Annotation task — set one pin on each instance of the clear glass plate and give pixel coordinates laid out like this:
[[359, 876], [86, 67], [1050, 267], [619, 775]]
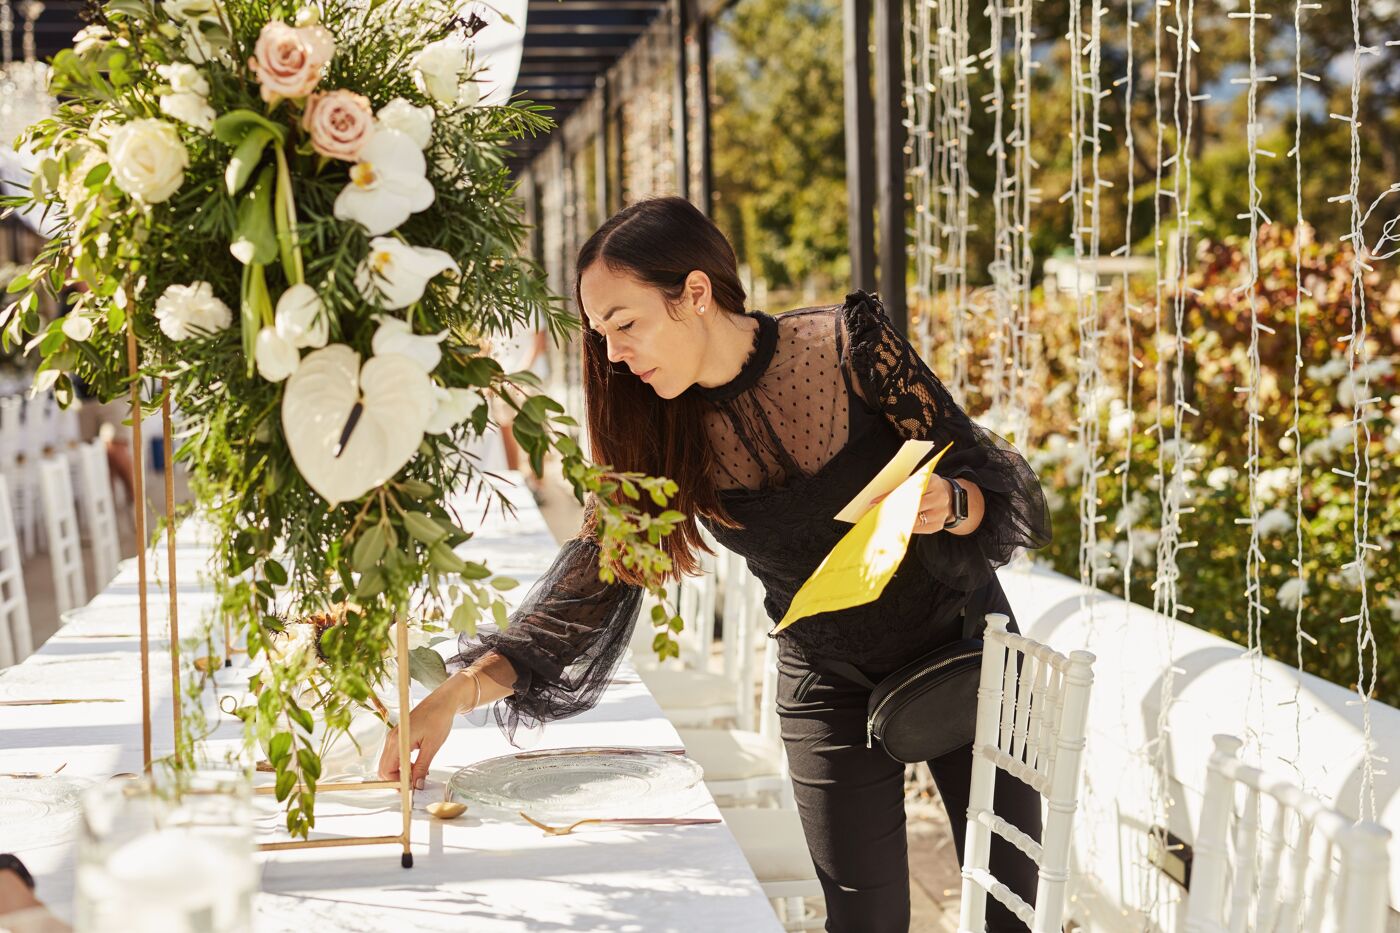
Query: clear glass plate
[[37, 812], [580, 782]]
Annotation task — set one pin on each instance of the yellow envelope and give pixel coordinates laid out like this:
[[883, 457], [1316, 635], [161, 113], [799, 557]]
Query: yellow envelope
[[863, 562]]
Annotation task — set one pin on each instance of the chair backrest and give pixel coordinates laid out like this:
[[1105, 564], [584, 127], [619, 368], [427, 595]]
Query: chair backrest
[[1273, 859], [1031, 725], [61, 522], [16, 638], [99, 512]]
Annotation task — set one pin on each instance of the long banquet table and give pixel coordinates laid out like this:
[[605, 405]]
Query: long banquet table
[[478, 873]]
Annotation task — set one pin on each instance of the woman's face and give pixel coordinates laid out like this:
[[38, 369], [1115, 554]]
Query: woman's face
[[640, 331]]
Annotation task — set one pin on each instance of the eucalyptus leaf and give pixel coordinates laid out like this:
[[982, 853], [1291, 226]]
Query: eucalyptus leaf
[[427, 667]]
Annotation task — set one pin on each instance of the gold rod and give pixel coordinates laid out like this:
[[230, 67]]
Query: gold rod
[[325, 843], [170, 552], [138, 512], [343, 785], [405, 766]]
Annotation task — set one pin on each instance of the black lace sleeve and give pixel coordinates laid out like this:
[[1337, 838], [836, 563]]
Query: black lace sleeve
[[896, 382], [564, 641]]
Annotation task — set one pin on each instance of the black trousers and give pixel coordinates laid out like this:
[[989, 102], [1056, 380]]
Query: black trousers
[[851, 801]]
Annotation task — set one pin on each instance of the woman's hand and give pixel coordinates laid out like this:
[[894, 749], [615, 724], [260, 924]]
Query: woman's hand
[[936, 506], [428, 726]]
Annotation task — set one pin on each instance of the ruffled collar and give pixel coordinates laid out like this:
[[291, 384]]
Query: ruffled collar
[[755, 365]]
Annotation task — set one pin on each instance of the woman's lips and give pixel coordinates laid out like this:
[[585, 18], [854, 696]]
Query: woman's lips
[[646, 376]]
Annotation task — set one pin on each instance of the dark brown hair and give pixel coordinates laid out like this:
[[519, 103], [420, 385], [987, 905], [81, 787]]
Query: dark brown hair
[[658, 241]]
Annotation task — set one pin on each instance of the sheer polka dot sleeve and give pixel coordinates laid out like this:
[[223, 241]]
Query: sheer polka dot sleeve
[[894, 381], [564, 641]]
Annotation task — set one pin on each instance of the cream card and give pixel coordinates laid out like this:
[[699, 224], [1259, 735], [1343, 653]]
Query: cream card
[[900, 467]]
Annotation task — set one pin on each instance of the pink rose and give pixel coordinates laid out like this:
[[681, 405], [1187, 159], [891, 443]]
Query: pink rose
[[340, 123], [287, 61]]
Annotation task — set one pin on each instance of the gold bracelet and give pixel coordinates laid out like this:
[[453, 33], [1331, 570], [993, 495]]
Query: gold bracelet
[[476, 697]]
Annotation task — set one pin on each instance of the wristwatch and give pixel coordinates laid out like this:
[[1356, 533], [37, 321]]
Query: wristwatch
[[957, 505], [12, 863]]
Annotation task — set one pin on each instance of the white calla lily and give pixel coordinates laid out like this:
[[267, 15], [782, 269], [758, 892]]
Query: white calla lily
[[276, 357], [301, 318], [396, 336], [387, 184], [453, 407], [394, 274]]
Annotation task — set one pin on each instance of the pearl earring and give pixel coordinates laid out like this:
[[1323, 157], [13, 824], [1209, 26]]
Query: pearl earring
[[702, 309]]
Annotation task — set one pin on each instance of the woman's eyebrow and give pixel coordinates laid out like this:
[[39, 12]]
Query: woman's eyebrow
[[608, 314]]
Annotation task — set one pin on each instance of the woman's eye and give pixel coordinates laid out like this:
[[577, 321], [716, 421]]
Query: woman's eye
[[625, 327]]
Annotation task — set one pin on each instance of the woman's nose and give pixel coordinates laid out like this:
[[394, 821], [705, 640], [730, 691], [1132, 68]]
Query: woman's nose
[[614, 352]]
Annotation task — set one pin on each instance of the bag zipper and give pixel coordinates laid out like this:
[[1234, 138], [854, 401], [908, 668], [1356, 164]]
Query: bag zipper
[[870, 721]]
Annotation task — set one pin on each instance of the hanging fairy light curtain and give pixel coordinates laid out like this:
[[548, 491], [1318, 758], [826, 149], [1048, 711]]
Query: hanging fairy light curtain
[[646, 87], [1146, 234]]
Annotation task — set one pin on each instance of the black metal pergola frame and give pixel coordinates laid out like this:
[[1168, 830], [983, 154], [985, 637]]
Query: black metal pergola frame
[[571, 50]]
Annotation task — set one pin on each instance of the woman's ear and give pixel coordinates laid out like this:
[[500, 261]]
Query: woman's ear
[[697, 289]]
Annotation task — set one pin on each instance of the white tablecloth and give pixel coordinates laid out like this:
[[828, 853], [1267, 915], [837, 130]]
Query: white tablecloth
[[478, 873]]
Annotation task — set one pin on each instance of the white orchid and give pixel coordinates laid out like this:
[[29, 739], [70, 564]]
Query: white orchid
[[301, 318], [414, 122], [387, 184], [395, 274], [453, 407], [395, 335], [276, 357]]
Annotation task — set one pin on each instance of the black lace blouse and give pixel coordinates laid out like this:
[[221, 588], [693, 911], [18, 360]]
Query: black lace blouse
[[825, 398]]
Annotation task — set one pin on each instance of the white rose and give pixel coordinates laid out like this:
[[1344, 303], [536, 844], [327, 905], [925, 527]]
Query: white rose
[[437, 68], [187, 310], [188, 108], [71, 185], [414, 122], [302, 319], [184, 78], [148, 159], [396, 336], [77, 327], [276, 357], [453, 407]]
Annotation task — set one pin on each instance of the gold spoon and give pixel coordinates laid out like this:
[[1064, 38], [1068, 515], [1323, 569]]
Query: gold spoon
[[446, 808], [626, 821]]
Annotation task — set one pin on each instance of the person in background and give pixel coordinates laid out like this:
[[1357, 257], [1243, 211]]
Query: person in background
[[523, 350], [20, 910]]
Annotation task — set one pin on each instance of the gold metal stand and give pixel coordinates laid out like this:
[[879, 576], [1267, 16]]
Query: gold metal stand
[[138, 511], [404, 783], [175, 700]]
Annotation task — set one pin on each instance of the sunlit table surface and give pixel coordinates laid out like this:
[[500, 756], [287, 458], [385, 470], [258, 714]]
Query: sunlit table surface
[[481, 872]]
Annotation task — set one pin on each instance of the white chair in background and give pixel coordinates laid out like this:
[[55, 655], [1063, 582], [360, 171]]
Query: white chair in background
[[99, 512], [61, 524], [1276, 858], [1032, 727], [16, 637], [743, 766], [776, 849], [19, 460]]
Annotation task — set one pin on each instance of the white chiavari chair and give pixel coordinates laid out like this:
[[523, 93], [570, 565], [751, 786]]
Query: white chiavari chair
[[1032, 727], [99, 512], [61, 525], [16, 636], [1273, 859]]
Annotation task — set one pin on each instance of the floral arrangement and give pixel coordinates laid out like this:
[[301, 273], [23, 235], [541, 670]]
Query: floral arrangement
[[302, 217]]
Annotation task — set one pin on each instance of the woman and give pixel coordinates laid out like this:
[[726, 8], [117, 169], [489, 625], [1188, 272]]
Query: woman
[[769, 426]]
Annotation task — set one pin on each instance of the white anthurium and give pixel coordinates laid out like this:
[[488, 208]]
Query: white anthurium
[[395, 274], [277, 357], [351, 428], [396, 336], [302, 319], [453, 407], [414, 122], [387, 184], [77, 328]]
